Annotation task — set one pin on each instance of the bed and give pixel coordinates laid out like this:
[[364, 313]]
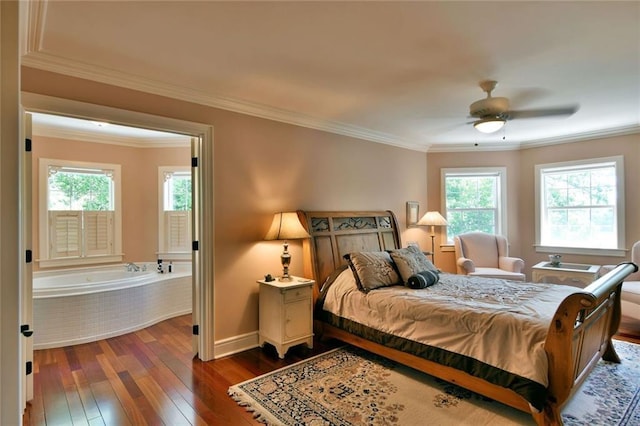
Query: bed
[[564, 331]]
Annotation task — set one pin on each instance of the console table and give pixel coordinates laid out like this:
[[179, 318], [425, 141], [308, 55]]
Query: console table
[[574, 274]]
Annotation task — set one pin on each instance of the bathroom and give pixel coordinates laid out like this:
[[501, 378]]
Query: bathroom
[[81, 297]]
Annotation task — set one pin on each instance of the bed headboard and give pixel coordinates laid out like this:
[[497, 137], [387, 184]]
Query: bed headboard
[[334, 234]]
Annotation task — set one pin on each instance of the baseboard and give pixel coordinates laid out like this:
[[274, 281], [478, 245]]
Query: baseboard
[[233, 345]]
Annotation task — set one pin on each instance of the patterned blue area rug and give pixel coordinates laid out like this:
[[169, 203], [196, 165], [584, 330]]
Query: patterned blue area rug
[[348, 386]]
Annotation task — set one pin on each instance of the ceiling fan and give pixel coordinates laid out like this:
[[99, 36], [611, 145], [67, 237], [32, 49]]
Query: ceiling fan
[[492, 113]]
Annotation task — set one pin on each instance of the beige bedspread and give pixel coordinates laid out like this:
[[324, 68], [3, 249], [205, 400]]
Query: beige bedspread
[[498, 322]]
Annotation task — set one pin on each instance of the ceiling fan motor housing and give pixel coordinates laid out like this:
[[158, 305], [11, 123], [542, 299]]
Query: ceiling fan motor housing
[[489, 107]]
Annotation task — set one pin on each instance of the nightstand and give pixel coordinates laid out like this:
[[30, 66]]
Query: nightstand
[[573, 274], [286, 313]]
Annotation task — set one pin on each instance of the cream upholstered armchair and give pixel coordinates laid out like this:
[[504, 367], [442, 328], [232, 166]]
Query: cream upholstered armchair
[[486, 255], [630, 295]]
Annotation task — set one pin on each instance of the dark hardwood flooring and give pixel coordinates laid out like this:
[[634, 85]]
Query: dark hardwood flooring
[[150, 378], [147, 378]]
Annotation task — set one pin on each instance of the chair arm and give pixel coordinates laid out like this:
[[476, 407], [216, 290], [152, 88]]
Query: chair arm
[[513, 264], [466, 265]]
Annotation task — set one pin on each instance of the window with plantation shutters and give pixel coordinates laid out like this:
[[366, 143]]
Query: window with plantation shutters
[[66, 233], [98, 233], [81, 222], [175, 212], [178, 226]]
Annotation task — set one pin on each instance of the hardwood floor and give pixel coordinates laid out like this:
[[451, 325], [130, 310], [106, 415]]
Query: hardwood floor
[[147, 378], [150, 378]]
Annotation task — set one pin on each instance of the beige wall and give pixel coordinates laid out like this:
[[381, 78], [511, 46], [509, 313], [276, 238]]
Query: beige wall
[[139, 168], [520, 189], [261, 167]]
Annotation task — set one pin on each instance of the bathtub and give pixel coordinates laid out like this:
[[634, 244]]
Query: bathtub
[[76, 306]]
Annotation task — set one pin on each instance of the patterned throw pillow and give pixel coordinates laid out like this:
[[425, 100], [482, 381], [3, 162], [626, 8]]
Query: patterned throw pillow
[[410, 261], [372, 269]]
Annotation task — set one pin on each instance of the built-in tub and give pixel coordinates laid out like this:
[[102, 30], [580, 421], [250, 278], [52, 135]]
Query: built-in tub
[[76, 306]]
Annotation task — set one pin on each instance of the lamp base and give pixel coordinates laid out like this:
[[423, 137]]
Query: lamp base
[[286, 261], [433, 249]]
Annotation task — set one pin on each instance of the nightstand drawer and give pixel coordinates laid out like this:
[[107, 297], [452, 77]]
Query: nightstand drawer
[[297, 294]]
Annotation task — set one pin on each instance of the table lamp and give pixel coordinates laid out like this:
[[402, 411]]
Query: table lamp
[[432, 219], [286, 226]]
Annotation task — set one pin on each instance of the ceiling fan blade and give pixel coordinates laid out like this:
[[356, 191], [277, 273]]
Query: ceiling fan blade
[[538, 113]]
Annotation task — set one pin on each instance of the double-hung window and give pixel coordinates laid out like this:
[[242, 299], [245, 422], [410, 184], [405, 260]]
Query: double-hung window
[[580, 206], [80, 213], [474, 200], [175, 212]]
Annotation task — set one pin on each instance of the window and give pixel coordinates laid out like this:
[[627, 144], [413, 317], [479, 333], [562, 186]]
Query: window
[[175, 213], [474, 200], [580, 206], [80, 221]]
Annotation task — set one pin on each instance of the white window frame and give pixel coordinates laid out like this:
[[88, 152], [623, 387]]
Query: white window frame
[[500, 172], [618, 160], [45, 260], [164, 252]]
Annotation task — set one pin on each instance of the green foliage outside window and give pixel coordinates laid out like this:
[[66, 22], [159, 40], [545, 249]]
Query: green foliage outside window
[[580, 206], [472, 203], [180, 192], [80, 191]]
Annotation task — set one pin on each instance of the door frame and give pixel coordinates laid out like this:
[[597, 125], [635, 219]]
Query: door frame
[[203, 257]]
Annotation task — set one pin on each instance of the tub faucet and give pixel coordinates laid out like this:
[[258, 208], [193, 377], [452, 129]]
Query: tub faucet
[[132, 267]]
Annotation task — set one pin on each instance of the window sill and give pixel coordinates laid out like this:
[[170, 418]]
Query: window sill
[[79, 261], [581, 251]]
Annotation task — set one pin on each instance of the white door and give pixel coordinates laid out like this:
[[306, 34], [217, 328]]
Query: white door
[[195, 255], [203, 256], [26, 270]]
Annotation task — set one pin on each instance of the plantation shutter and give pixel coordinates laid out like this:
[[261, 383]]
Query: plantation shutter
[[65, 233], [178, 230], [98, 232]]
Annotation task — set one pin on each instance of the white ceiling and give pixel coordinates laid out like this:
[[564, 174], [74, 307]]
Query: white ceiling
[[59, 126], [402, 73]]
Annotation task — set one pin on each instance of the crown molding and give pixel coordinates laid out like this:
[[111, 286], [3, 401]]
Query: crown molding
[[53, 63], [514, 146]]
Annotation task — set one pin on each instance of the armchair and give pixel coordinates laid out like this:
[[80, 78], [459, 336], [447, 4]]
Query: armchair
[[486, 255], [630, 295]]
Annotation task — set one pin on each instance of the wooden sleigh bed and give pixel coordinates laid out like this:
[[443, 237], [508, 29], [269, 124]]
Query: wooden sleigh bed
[[579, 333]]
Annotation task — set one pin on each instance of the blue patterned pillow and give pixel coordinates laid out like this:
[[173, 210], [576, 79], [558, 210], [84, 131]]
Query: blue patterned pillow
[[423, 279]]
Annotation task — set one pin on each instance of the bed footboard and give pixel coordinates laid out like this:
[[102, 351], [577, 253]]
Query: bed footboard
[[579, 335]]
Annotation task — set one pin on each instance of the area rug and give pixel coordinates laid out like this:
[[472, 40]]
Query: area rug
[[348, 386]]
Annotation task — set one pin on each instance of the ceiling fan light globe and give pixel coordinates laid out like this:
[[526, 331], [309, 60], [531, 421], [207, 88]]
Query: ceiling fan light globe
[[489, 125]]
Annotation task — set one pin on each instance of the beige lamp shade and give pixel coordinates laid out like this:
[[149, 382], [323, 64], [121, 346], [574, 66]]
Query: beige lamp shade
[[432, 219], [286, 226]]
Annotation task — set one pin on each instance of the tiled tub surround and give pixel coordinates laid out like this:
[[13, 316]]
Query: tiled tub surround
[[83, 305]]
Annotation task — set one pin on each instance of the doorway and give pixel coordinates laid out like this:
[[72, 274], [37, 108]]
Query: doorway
[[202, 171]]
